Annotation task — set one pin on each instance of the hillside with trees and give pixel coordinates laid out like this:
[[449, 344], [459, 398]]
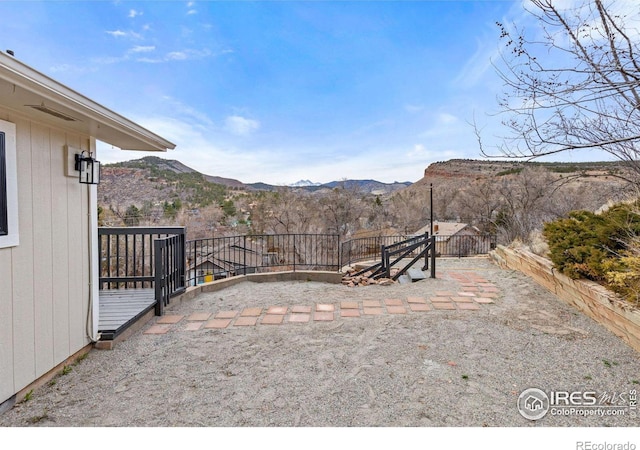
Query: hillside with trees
[[514, 199], [506, 198]]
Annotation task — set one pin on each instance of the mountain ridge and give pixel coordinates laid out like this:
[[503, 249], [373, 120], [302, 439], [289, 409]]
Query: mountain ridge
[[155, 162], [304, 183]]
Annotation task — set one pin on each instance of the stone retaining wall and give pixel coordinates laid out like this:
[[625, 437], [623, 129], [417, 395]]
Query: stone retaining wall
[[600, 304]]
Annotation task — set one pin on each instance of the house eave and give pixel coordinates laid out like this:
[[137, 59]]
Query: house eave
[[31, 93]]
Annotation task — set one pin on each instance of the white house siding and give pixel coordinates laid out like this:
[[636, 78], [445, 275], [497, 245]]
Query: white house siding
[[44, 281]]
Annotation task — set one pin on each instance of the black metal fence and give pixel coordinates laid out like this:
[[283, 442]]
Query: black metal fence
[[365, 249], [368, 249], [465, 245], [215, 258], [129, 255]]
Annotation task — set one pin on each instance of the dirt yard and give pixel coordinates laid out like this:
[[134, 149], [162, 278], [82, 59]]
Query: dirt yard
[[399, 358]]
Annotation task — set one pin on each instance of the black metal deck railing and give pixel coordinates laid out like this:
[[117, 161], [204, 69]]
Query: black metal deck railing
[[140, 270], [127, 255], [169, 269]]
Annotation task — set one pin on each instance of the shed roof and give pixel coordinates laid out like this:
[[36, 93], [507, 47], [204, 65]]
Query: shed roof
[[443, 228], [31, 93]]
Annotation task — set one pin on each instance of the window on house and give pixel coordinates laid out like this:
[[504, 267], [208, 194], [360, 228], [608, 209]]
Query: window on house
[[9, 236], [4, 223]]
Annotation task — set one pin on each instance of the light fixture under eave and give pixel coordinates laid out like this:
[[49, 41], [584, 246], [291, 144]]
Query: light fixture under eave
[[89, 169], [53, 112]]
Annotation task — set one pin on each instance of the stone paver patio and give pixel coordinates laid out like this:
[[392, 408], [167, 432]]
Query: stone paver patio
[[474, 293]]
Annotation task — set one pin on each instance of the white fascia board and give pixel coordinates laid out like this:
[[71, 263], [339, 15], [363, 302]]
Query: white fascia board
[[99, 121]]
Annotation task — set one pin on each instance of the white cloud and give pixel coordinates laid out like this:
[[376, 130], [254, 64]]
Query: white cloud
[[241, 126], [202, 146], [107, 59], [70, 68], [124, 34], [142, 49], [478, 65], [117, 33], [133, 13], [488, 49], [190, 8], [150, 60], [182, 55], [173, 56], [61, 68], [197, 119]]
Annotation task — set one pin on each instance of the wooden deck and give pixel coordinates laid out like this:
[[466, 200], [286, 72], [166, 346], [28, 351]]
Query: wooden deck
[[120, 308]]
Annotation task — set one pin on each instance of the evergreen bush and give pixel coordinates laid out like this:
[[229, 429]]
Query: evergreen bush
[[599, 247]]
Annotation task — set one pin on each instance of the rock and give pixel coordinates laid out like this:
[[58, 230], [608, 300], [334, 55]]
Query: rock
[[416, 274]]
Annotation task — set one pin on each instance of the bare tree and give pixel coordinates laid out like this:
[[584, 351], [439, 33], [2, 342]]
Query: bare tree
[[480, 202], [577, 87], [379, 216], [284, 211], [342, 209], [205, 223], [410, 210], [526, 201]]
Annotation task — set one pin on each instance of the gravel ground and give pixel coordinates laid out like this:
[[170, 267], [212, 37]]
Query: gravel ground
[[423, 369]]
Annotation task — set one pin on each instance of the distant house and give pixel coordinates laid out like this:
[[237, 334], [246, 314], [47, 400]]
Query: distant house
[[48, 221], [206, 268], [455, 238], [449, 229], [229, 257]]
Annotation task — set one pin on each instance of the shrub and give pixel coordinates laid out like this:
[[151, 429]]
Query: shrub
[[625, 280], [599, 247]]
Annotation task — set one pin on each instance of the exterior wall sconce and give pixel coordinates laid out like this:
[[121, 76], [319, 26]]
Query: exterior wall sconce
[[89, 169]]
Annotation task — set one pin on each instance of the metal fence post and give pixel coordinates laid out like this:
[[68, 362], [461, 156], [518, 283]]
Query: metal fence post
[[386, 261], [433, 256], [426, 254], [158, 277], [244, 253]]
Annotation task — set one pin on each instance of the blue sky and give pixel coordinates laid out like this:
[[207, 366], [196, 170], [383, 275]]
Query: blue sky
[[278, 91]]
